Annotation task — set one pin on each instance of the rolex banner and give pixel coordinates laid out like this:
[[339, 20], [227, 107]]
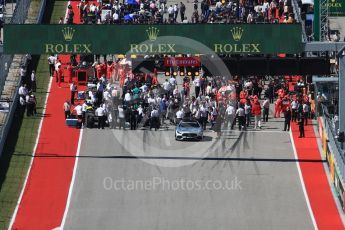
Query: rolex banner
[[153, 39], [336, 7]]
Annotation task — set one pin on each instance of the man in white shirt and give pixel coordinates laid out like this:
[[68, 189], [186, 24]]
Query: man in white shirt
[[154, 122], [171, 13], [128, 97], [154, 112], [51, 63], [305, 112], [73, 89], [250, 18], [106, 95], [247, 113], [152, 101], [203, 115], [230, 116], [179, 116], [196, 114], [23, 91], [257, 8], [33, 81], [93, 8], [175, 12], [248, 85], [140, 110], [172, 82], [167, 87], [266, 106], [57, 66], [116, 17], [83, 110], [218, 6], [265, 6], [22, 72], [79, 112], [240, 114], [67, 109], [176, 92], [100, 113], [121, 117], [144, 88], [197, 86], [100, 86]]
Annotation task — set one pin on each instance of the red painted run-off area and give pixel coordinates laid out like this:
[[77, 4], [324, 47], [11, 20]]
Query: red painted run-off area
[[44, 199], [315, 179], [45, 195]]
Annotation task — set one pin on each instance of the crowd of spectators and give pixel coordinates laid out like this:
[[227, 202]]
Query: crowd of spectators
[[206, 11], [2, 18]]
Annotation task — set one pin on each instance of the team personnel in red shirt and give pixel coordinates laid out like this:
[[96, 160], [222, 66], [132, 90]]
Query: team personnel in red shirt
[[100, 70], [243, 96], [122, 75], [256, 111], [70, 73], [110, 69], [59, 75], [277, 107]]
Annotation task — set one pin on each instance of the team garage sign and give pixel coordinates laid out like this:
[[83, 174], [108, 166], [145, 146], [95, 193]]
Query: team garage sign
[[153, 39]]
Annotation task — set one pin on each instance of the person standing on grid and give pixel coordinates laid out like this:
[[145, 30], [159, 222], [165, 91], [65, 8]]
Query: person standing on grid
[[33, 81], [51, 63]]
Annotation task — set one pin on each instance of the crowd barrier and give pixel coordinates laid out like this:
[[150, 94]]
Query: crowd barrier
[[4, 130], [333, 153]]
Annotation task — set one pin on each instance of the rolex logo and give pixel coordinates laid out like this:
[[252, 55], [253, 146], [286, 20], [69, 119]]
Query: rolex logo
[[237, 33], [152, 33], [68, 33]]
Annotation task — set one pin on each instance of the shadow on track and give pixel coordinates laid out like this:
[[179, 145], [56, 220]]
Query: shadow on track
[[181, 158]]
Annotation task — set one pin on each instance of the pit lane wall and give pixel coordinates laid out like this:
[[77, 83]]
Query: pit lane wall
[[334, 156]]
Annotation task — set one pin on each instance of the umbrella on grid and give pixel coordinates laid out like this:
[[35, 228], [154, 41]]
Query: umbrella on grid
[[125, 61], [130, 17], [133, 2], [226, 89]]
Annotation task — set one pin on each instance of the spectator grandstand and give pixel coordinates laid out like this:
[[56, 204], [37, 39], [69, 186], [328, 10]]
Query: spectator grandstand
[[150, 12]]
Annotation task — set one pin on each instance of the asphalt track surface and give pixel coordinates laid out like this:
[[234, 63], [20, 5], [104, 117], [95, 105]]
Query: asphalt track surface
[[252, 177], [245, 180]]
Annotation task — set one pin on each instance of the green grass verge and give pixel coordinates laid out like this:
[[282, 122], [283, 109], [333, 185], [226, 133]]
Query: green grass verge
[[21, 139]]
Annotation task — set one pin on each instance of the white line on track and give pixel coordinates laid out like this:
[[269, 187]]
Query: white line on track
[[75, 164], [302, 182], [72, 182], [32, 158]]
